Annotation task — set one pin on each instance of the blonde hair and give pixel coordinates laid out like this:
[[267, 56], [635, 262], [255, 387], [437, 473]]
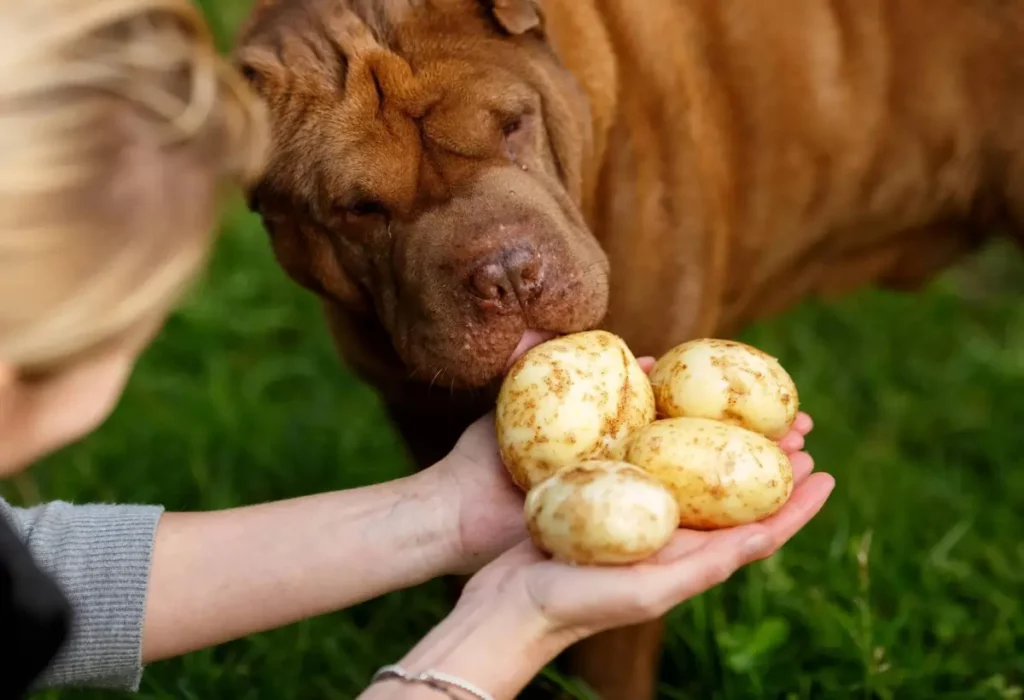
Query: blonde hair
[[118, 119]]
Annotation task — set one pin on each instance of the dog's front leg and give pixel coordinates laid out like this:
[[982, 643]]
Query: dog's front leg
[[621, 663]]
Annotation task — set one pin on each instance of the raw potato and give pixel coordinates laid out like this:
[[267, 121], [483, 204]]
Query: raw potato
[[727, 381], [601, 512], [567, 400], [720, 474]]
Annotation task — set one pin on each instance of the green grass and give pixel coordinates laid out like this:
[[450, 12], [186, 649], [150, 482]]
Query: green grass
[[908, 585]]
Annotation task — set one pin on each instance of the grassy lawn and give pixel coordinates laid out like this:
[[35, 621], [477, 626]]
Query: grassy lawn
[[909, 584]]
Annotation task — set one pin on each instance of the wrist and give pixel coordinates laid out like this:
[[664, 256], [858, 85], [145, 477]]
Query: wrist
[[437, 508], [430, 524], [495, 645]]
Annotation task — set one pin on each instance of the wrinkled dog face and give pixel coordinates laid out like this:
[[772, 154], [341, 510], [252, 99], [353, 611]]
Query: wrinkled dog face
[[425, 170]]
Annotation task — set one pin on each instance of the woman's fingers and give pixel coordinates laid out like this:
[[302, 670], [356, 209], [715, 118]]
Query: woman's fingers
[[599, 597], [803, 465], [803, 423], [658, 589], [685, 542], [725, 551], [807, 499], [591, 599], [792, 442]]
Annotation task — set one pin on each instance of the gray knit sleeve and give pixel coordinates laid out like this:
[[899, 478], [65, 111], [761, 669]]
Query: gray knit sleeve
[[100, 555]]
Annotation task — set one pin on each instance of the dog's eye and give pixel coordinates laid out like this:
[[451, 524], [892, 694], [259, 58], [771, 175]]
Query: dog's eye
[[512, 125], [517, 134], [363, 209], [252, 76]]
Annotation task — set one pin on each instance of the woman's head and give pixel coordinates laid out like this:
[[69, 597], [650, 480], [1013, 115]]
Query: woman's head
[[118, 121]]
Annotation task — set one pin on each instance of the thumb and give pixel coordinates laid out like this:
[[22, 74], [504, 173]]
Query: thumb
[[480, 435], [522, 554], [666, 586], [493, 577]]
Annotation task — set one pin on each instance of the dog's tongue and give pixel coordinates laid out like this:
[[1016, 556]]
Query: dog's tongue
[[529, 339]]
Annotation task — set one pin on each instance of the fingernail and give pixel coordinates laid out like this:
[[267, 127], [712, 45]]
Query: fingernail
[[756, 545]]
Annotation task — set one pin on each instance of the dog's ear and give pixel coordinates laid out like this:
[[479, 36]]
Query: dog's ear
[[517, 16]]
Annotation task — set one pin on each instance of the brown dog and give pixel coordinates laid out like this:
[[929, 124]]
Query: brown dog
[[449, 174]]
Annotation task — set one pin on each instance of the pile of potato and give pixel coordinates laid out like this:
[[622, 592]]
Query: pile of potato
[[613, 460]]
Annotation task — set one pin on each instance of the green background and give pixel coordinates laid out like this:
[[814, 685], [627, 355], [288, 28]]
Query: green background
[[908, 585]]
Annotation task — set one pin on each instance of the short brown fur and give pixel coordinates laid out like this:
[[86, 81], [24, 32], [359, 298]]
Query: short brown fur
[[449, 173]]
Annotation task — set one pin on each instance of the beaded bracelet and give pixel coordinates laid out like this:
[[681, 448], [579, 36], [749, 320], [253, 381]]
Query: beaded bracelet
[[434, 679]]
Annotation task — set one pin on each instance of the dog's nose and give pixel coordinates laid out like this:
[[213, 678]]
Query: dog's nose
[[509, 278]]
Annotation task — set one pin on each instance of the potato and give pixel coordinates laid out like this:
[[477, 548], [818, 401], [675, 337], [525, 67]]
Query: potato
[[568, 400], [727, 381], [601, 512], [720, 474]]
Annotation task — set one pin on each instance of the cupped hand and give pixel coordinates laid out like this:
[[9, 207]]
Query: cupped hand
[[573, 602], [488, 506]]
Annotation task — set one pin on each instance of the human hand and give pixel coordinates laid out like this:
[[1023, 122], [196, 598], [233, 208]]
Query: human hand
[[488, 506], [573, 602], [527, 607]]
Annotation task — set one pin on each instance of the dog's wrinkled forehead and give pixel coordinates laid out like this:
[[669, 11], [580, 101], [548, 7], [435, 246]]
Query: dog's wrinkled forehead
[[380, 17], [388, 90], [318, 39], [339, 29], [326, 69]]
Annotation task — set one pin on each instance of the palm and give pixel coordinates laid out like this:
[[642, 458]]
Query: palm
[[585, 600], [490, 506]]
